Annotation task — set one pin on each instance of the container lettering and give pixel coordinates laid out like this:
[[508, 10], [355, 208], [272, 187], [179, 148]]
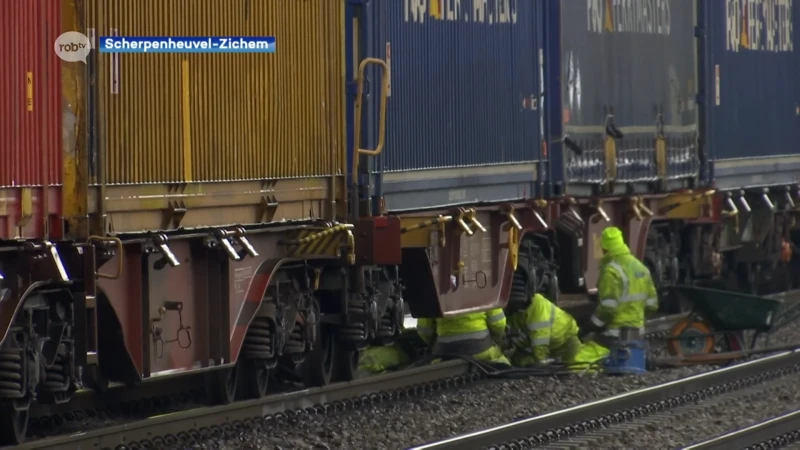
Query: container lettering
[[628, 16], [759, 25], [490, 12]]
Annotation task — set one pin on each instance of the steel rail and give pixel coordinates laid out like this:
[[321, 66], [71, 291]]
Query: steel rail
[[784, 429], [620, 408], [193, 419], [198, 418]]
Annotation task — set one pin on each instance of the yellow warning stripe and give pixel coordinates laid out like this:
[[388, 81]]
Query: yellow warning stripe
[[311, 242]]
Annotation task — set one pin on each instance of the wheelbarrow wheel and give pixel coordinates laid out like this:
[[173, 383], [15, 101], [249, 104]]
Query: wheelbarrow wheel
[[694, 338]]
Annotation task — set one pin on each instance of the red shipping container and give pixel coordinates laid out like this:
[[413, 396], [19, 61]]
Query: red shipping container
[[30, 119]]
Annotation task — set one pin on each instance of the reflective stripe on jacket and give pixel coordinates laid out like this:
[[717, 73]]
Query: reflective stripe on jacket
[[463, 327], [626, 291], [543, 327]]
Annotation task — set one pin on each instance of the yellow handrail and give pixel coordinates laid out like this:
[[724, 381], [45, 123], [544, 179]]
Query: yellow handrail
[[362, 67]]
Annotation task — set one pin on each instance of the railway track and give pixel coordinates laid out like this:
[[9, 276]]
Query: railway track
[[773, 433], [168, 427], [163, 425], [185, 427], [593, 423]]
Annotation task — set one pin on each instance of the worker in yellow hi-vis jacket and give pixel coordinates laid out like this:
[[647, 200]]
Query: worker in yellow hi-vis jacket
[[475, 334]]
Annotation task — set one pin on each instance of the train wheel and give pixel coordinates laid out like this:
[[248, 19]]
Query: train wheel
[[255, 379], [221, 384], [346, 365], [319, 362], [692, 340], [13, 424]]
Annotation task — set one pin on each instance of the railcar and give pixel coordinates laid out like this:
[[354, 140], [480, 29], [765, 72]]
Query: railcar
[[611, 114], [166, 214]]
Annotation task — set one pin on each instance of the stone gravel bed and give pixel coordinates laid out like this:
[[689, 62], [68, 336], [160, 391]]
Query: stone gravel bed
[[401, 424], [698, 422], [404, 423]]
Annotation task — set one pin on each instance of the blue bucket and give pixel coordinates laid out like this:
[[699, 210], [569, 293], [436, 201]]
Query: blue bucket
[[627, 358]]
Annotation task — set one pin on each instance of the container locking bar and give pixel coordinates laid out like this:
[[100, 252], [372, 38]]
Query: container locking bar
[[461, 223], [514, 229], [226, 238], [471, 215], [640, 210], [732, 209], [598, 205], [743, 203], [160, 240], [767, 201], [789, 201]]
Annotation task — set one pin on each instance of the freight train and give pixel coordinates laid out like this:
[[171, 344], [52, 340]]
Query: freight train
[[232, 214]]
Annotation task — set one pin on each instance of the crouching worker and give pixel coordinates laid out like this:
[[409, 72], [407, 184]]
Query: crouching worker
[[373, 360], [545, 333], [472, 334]]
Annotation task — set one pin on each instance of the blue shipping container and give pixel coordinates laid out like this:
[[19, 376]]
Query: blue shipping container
[[752, 91], [624, 67], [463, 122]]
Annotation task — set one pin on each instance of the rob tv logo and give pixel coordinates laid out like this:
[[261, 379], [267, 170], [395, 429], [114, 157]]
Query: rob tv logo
[[73, 46]]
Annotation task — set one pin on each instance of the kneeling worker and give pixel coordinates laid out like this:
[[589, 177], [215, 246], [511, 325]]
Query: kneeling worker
[[546, 332], [475, 334]]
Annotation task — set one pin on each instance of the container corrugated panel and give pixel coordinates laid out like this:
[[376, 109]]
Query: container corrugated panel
[[251, 116], [753, 92], [631, 65], [463, 116], [30, 98], [30, 121]]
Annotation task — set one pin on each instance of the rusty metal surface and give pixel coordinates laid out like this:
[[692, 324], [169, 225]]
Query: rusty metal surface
[[137, 208], [377, 241], [468, 273], [30, 118], [217, 297], [175, 423], [249, 116]]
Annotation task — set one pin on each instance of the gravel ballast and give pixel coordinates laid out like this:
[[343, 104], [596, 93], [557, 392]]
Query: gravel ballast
[[711, 418], [440, 415]]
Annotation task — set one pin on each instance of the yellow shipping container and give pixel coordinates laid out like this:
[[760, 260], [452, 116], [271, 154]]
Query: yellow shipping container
[[173, 118]]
